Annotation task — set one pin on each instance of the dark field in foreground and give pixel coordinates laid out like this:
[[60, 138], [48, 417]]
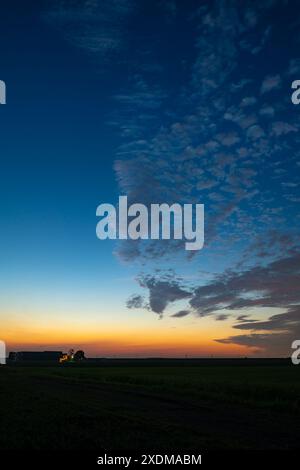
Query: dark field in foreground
[[150, 408]]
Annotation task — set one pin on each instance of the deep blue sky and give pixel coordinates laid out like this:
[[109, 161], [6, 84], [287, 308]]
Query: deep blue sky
[[164, 101]]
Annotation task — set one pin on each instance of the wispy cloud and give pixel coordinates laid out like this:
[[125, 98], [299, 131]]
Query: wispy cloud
[[99, 27], [270, 83]]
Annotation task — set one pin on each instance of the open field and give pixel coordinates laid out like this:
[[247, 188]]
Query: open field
[[167, 407]]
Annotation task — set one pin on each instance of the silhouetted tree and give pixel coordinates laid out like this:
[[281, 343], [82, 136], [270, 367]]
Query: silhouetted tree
[[79, 356]]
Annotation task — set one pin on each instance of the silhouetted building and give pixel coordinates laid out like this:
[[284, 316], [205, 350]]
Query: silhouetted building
[[53, 356]]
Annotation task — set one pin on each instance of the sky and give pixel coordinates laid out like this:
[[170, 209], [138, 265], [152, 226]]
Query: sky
[[166, 102]]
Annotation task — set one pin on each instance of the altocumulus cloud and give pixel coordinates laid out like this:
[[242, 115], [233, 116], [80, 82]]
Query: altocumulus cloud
[[213, 135]]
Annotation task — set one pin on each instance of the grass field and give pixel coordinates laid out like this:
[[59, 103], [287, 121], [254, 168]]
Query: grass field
[[153, 408]]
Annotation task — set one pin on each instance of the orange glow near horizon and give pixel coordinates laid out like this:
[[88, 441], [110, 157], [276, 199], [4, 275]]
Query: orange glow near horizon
[[136, 338]]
